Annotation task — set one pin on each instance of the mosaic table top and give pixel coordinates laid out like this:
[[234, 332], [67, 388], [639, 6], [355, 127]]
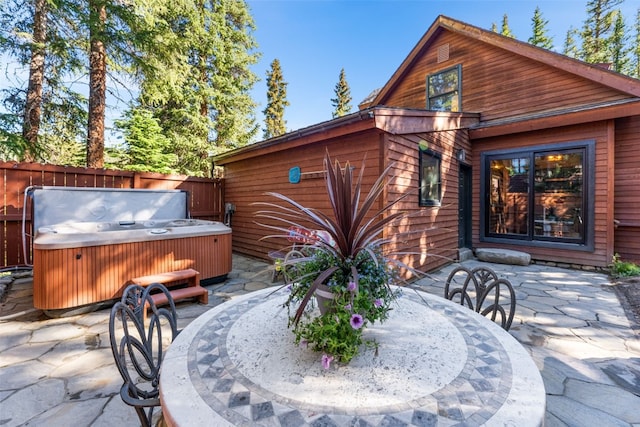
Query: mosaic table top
[[435, 363]]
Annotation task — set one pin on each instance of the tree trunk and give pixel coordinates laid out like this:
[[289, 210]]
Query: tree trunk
[[97, 85], [33, 104]]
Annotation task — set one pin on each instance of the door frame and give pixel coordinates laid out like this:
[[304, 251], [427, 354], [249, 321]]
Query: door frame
[[464, 206]]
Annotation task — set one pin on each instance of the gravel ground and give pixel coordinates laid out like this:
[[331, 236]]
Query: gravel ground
[[628, 291]]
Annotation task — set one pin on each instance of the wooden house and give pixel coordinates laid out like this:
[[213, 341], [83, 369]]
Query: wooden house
[[502, 144]]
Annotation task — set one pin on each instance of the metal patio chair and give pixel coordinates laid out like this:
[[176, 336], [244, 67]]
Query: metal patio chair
[[482, 291], [138, 346], [303, 243]]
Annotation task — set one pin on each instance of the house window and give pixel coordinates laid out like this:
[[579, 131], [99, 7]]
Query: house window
[[443, 90], [538, 195], [430, 183]]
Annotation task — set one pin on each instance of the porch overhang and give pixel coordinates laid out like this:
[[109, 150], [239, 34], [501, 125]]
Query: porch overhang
[[396, 121], [557, 118]]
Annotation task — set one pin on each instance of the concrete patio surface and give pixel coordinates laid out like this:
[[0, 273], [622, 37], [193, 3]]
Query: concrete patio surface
[[60, 372]]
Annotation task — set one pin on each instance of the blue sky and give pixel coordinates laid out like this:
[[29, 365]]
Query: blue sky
[[314, 39]]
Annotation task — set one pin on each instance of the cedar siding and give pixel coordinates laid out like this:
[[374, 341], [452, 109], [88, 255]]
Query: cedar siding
[[497, 83], [392, 136], [428, 233], [248, 180], [627, 189], [514, 96]]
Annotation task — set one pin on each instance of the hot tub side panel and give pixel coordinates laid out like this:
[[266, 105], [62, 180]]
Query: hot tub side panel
[[72, 277]]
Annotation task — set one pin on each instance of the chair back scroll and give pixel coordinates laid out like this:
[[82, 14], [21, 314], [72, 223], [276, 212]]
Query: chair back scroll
[[482, 291], [138, 348]]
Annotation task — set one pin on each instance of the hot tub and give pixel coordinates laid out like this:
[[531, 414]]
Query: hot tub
[[86, 263], [78, 263]]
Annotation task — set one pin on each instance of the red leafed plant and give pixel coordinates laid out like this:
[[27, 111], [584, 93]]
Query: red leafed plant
[[347, 257]]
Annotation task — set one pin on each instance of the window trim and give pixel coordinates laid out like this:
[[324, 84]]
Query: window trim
[[422, 201], [588, 182], [458, 68]]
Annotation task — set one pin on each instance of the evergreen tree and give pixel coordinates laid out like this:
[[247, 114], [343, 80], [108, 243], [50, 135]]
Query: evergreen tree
[[115, 38], [620, 61], [635, 50], [276, 102], [147, 148], [49, 112], [597, 31], [341, 103], [97, 83], [539, 27], [494, 27], [506, 31], [570, 47], [33, 104], [230, 105], [196, 78]]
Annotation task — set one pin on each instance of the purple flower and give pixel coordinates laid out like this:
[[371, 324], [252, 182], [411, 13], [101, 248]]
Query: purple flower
[[351, 287], [378, 302], [326, 361], [356, 321], [304, 343], [347, 307]]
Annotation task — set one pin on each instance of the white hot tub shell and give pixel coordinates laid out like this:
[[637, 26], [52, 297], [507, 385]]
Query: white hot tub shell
[[77, 263]]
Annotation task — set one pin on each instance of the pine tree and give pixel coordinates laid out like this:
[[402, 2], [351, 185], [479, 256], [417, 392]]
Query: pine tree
[[539, 26], [597, 31], [620, 61], [494, 27], [33, 104], [506, 31], [229, 78], [570, 47], [97, 83], [635, 51], [147, 148], [196, 78], [276, 102], [46, 119], [341, 103]]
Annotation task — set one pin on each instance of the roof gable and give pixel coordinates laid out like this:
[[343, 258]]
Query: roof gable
[[601, 80]]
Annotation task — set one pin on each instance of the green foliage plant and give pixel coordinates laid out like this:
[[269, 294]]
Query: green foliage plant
[[346, 257], [619, 268]]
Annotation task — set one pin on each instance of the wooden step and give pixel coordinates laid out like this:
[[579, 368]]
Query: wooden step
[[183, 293], [170, 279], [189, 276]]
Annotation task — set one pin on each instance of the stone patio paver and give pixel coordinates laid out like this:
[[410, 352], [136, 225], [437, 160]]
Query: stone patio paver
[[60, 372]]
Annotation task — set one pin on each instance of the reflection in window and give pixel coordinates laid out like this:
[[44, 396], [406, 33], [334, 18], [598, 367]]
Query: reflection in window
[[558, 194], [443, 90], [509, 196], [429, 178], [543, 202]]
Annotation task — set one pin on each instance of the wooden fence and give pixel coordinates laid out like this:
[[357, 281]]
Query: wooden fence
[[206, 197]]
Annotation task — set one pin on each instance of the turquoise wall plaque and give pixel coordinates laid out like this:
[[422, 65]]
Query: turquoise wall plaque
[[294, 175]]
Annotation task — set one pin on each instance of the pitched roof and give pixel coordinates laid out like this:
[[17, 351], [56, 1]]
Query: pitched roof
[[593, 72]]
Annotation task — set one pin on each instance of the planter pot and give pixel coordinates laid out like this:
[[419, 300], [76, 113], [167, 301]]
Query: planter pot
[[325, 299]]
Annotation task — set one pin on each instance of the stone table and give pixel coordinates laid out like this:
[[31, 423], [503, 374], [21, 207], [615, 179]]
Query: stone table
[[436, 363]]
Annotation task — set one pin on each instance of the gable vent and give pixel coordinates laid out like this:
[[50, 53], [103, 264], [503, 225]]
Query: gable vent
[[443, 53]]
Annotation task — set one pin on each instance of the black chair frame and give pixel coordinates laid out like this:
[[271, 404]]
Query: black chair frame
[[481, 291], [139, 350]]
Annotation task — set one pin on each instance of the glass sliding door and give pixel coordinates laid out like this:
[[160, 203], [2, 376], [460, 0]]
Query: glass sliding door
[[509, 195], [536, 195], [559, 197]]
